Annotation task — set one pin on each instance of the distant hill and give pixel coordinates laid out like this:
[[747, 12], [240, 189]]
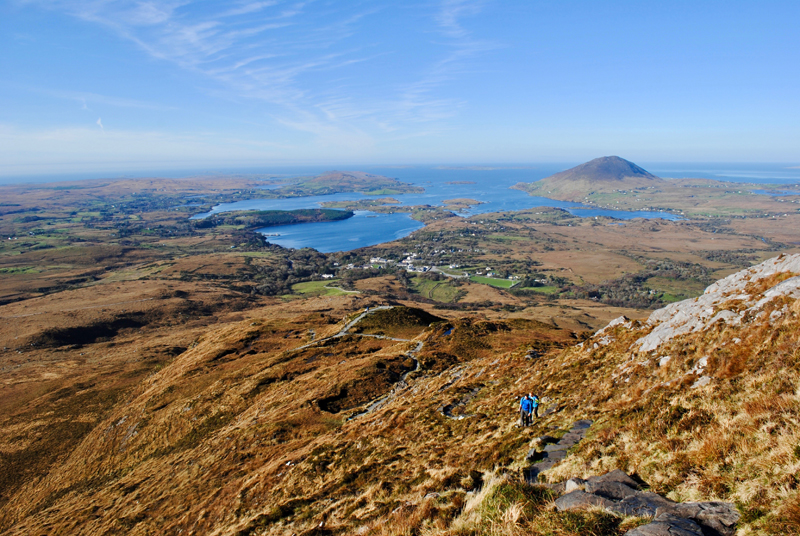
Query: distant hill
[[606, 173], [605, 169]]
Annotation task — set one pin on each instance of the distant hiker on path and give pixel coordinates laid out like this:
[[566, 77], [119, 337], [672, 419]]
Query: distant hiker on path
[[534, 404], [525, 408]]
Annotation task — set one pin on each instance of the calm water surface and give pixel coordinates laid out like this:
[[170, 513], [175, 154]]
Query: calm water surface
[[491, 186]]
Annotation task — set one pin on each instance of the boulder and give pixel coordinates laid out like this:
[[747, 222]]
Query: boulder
[[555, 455], [641, 504], [616, 475], [668, 525], [531, 473], [570, 438], [582, 424], [610, 490], [720, 517], [558, 487], [578, 499], [574, 483]]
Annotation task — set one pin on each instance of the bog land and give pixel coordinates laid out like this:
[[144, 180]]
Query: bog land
[[124, 318]]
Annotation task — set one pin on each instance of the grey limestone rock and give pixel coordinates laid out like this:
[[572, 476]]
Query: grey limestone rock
[[617, 492], [610, 490], [582, 424], [668, 525], [720, 517], [616, 475], [555, 455], [701, 382], [531, 474], [574, 483], [570, 438], [641, 504], [700, 313], [558, 487], [579, 499]]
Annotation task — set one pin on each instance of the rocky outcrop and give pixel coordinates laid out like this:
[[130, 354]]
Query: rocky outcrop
[[668, 525], [580, 499], [727, 301], [617, 492]]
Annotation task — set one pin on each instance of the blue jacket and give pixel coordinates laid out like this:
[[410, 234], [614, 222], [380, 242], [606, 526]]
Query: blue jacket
[[526, 404]]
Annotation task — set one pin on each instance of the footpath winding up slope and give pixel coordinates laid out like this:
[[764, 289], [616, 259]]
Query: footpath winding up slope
[[702, 400], [247, 431]]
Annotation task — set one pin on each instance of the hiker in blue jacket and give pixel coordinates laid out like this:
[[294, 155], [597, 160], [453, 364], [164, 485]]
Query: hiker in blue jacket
[[525, 408], [534, 404]]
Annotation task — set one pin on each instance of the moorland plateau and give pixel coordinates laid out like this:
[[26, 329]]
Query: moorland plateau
[[162, 375]]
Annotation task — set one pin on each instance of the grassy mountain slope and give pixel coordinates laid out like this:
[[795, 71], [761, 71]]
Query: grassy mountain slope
[[405, 424]]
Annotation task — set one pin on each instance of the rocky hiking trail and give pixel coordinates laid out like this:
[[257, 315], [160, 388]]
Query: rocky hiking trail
[[615, 492], [348, 326], [555, 450], [621, 494], [400, 384]]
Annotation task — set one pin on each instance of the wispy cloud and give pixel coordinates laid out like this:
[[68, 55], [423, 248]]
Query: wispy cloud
[[100, 123], [297, 56], [452, 11], [418, 103], [245, 8]]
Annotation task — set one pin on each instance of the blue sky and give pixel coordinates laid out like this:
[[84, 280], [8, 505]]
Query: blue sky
[[121, 85]]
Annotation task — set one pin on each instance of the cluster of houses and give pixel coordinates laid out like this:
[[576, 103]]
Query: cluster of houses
[[409, 264]]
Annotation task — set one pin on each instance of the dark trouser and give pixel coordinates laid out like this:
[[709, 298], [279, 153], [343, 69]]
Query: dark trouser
[[536, 411], [525, 417]]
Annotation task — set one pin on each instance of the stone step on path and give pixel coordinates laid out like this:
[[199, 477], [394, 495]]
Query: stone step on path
[[619, 493], [555, 450]]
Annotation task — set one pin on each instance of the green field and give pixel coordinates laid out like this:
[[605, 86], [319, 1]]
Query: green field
[[383, 191], [441, 291], [20, 270], [543, 290], [453, 271], [499, 283], [320, 288], [674, 289]]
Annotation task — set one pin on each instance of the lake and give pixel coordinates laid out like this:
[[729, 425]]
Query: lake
[[492, 186]]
